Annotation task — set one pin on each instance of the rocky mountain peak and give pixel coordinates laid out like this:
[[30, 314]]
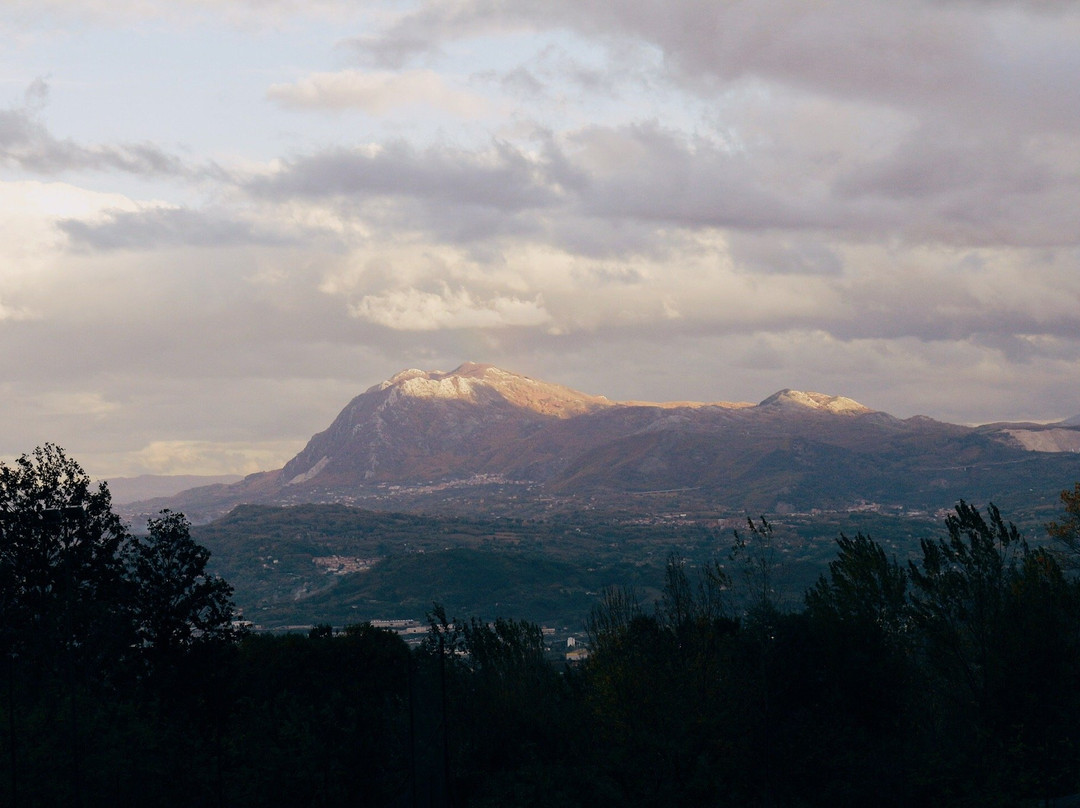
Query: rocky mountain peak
[[840, 405], [474, 382]]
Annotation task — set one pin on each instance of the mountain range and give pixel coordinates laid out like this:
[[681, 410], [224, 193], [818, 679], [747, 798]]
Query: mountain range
[[482, 439]]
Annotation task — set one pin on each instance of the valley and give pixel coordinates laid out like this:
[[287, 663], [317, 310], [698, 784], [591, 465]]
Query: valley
[[309, 564]]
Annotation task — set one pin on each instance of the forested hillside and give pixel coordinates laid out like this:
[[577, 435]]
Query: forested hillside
[[335, 564]]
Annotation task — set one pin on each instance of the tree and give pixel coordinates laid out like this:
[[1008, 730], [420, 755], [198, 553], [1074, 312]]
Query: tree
[[63, 625], [684, 608], [1000, 634], [62, 585], [175, 602], [863, 589], [1067, 532], [858, 660], [655, 686], [84, 604], [758, 554], [959, 596]]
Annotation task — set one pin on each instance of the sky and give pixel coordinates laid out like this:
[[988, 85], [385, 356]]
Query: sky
[[220, 220]]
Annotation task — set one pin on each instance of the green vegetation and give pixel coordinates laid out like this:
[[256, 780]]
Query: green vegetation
[[548, 572], [947, 676]]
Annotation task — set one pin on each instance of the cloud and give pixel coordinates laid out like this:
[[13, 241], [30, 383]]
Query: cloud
[[719, 199], [30, 243], [257, 14], [162, 227], [956, 123], [416, 310], [649, 173], [83, 403], [210, 457], [986, 189], [377, 93], [638, 189], [758, 253], [9, 313], [501, 177], [26, 143], [900, 54]]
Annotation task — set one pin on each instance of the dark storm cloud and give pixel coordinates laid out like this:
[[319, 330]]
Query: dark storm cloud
[[165, 227]]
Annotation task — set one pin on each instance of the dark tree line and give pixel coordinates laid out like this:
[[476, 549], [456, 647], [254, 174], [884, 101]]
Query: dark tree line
[[94, 621], [951, 680]]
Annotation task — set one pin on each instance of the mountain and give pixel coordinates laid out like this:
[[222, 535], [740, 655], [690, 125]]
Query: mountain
[[481, 439], [145, 486], [423, 425]]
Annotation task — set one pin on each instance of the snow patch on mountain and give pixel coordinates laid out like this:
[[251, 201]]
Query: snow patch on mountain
[[456, 387], [469, 381], [840, 405]]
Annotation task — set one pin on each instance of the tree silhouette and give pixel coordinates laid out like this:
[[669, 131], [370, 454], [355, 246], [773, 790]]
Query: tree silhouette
[[62, 585], [175, 603]]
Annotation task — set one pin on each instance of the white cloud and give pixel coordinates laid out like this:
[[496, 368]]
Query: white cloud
[[87, 403], [207, 457], [8, 313], [415, 310], [378, 93], [30, 241]]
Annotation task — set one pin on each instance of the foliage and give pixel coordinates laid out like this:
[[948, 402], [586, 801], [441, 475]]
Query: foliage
[[1067, 532], [951, 680], [85, 611], [62, 583], [758, 558], [999, 632], [863, 588], [175, 603]]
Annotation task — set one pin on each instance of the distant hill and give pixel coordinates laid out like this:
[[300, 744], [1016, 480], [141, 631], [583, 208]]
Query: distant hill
[[481, 440], [125, 490]]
